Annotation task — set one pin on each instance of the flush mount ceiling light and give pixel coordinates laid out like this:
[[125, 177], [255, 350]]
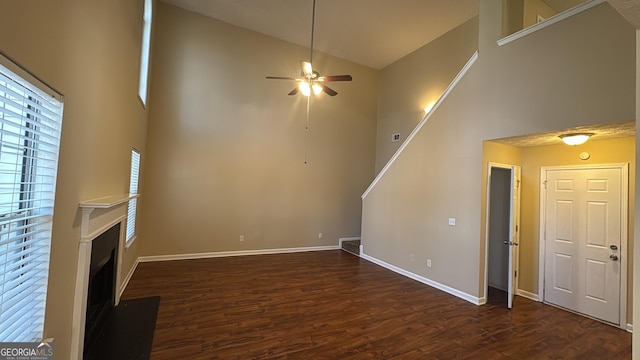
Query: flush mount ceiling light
[[575, 139]]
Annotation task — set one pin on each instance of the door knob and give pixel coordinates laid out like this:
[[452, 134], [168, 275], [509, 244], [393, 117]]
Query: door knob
[[613, 247], [507, 242], [613, 257]]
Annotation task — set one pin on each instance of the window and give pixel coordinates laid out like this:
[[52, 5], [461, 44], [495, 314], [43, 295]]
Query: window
[[133, 190], [30, 125], [146, 48]]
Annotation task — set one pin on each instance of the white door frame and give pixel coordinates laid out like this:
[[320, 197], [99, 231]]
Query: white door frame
[[486, 235], [624, 229]]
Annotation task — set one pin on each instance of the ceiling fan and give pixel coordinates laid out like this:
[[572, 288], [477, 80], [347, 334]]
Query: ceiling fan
[[310, 80]]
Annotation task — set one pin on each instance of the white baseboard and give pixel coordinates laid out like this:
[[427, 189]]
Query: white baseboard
[[462, 295], [630, 328], [208, 255], [125, 281], [527, 294]]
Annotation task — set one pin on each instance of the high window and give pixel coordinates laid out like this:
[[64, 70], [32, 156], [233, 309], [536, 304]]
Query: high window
[[144, 55], [133, 190], [30, 125]]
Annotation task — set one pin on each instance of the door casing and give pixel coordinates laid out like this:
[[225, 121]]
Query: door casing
[[624, 233]]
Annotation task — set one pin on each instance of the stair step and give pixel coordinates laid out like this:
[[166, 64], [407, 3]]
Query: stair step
[[351, 246]]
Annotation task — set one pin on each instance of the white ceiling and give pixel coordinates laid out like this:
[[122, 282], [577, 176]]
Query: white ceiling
[[374, 33]]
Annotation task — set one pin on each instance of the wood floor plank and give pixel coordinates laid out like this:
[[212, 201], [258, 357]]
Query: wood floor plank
[[333, 305]]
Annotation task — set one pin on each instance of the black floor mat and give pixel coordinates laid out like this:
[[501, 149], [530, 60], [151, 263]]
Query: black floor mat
[[128, 332]]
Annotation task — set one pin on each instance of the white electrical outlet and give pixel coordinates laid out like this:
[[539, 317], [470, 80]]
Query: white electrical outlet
[[319, 235], [428, 262], [452, 221], [241, 237]]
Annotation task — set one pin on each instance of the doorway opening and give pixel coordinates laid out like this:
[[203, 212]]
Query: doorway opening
[[503, 216]]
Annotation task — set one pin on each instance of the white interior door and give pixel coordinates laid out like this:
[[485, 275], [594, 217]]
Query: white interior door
[[514, 233], [583, 229]]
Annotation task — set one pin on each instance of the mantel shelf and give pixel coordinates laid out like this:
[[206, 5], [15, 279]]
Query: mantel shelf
[[107, 202]]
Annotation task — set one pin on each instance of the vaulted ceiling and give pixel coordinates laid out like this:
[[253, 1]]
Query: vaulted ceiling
[[374, 33]]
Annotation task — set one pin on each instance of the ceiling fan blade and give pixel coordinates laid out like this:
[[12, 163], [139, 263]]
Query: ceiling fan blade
[[280, 78], [335, 78], [294, 91], [328, 90]]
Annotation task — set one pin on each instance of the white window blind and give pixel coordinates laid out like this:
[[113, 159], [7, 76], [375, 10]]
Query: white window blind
[[30, 125], [133, 190]]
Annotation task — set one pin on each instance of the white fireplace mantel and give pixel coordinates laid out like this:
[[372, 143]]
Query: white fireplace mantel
[[98, 216]]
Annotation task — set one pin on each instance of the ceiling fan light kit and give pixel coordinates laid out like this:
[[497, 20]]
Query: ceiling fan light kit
[[310, 80]]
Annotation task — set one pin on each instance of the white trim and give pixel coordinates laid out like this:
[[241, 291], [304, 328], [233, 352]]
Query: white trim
[[29, 79], [208, 255], [624, 219], [550, 21], [526, 294], [127, 278], [97, 232], [629, 328], [98, 216], [457, 293], [107, 202], [424, 120]]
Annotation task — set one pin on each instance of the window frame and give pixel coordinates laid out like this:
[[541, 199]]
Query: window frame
[[145, 53], [132, 206], [31, 115]]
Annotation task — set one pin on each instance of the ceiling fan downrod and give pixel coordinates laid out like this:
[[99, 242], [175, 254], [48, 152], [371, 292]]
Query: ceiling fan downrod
[[313, 23]]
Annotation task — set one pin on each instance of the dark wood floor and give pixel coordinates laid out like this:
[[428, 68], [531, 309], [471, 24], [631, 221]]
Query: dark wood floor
[[333, 305]]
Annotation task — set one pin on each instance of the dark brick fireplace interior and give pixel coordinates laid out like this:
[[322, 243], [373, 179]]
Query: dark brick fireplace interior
[[102, 284]]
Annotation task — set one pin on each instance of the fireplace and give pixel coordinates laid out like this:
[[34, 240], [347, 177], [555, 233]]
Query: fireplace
[[102, 283], [95, 258]]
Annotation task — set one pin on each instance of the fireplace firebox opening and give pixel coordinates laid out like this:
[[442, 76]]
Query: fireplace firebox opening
[[102, 283]]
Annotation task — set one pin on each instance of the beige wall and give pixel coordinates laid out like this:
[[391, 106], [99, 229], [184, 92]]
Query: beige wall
[[532, 85], [410, 84], [88, 50], [227, 147], [512, 16]]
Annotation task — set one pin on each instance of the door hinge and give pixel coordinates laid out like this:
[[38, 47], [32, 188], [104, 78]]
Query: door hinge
[[545, 184], [515, 274]]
